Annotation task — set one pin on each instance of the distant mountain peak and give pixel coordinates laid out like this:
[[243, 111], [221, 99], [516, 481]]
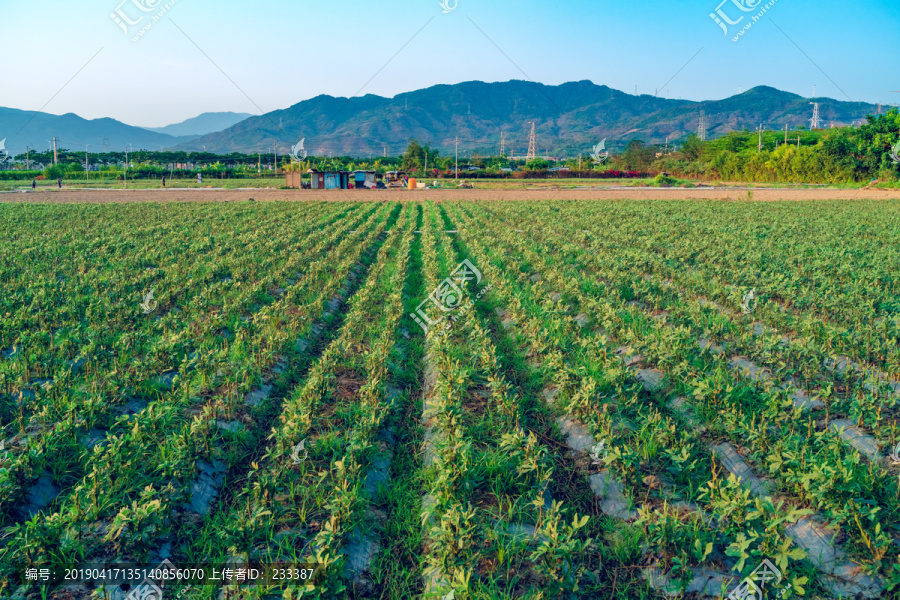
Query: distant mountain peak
[[202, 124]]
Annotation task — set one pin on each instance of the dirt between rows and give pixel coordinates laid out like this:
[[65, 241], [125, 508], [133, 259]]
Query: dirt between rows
[[266, 195]]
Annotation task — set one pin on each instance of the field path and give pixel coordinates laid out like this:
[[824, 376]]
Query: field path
[[264, 195]]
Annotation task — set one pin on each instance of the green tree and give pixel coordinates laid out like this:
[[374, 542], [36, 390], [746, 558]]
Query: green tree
[[414, 159], [638, 156], [692, 148], [537, 164]]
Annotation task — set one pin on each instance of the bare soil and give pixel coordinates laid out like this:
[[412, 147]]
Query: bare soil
[[269, 195]]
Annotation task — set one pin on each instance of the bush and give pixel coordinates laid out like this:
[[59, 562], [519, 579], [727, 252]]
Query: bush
[[611, 174], [663, 180], [54, 172], [18, 175]]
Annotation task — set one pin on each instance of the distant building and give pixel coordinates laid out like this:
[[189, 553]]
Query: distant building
[[330, 180], [364, 179]]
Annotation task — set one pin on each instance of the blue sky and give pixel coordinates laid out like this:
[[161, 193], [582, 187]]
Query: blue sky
[[249, 57]]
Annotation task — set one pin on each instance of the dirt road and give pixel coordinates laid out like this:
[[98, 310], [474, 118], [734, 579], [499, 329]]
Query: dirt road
[[220, 195]]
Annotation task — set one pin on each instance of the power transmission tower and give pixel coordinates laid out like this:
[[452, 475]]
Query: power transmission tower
[[814, 123], [759, 148], [55, 160], [701, 131], [532, 145], [502, 144]]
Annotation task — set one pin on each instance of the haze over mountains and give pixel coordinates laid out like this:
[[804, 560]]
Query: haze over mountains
[[202, 125], [74, 132], [28, 128], [569, 118]]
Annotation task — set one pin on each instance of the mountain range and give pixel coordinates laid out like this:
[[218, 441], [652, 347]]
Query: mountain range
[[569, 119], [36, 129]]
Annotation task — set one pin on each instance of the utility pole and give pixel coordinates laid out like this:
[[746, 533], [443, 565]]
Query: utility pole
[[275, 150], [125, 169], [785, 133], [85, 162], [457, 157], [759, 148]]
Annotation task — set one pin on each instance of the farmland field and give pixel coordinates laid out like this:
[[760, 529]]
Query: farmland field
[[456, 400]]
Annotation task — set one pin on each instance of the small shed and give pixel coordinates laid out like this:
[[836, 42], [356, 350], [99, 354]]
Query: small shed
[[364, 179], [293, 179], [330, 180]]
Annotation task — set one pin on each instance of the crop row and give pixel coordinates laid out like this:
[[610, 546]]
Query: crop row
[[127, 495]]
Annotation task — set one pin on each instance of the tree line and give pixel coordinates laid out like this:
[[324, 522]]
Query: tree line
[[826, 156]]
